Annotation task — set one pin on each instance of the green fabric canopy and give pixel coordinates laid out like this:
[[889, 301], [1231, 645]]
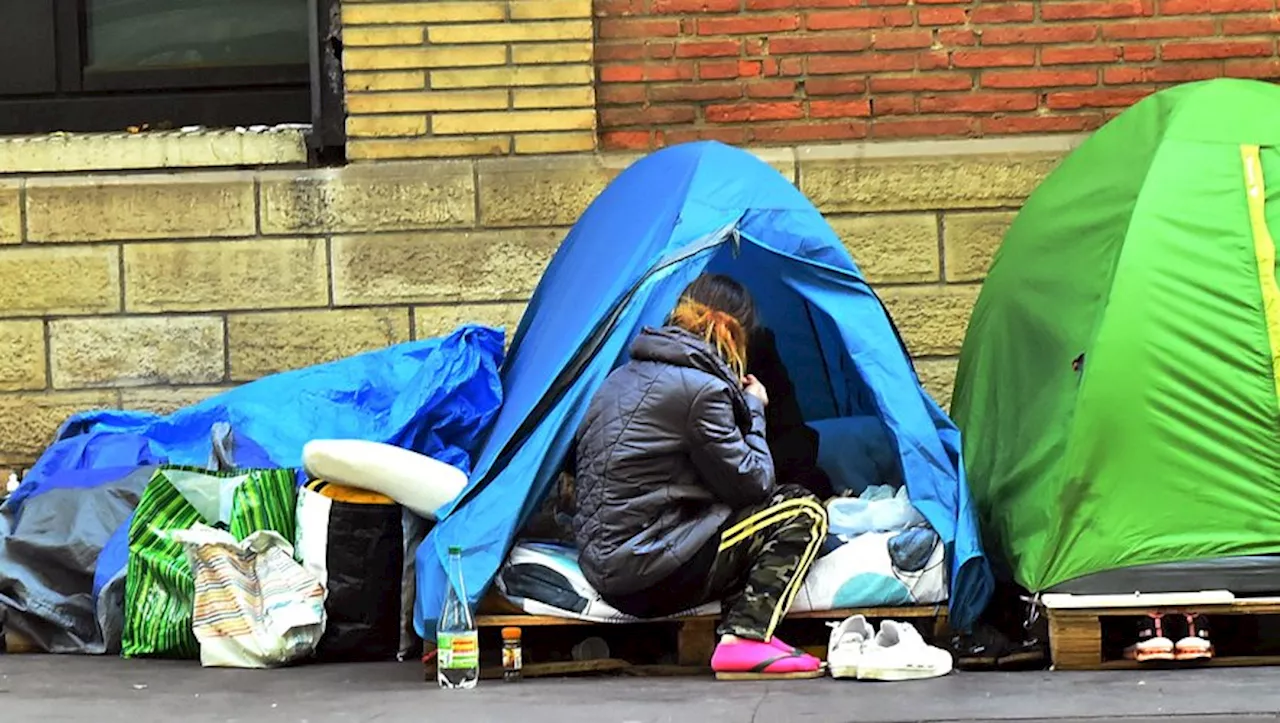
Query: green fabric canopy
[[1117, 390]]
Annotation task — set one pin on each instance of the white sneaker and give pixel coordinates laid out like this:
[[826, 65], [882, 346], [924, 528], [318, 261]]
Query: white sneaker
[[899, 653], [844, 649]]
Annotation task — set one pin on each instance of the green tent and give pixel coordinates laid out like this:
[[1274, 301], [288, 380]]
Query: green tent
[[1118, 389]]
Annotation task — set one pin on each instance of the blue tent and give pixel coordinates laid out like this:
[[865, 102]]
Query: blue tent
[[668, 218]]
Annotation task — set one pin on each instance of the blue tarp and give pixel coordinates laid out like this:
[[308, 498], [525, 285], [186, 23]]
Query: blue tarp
[[435, 397], [668, 218]]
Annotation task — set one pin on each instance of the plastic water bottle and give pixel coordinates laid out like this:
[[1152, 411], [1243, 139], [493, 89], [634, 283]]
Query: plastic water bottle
[[457, 640]]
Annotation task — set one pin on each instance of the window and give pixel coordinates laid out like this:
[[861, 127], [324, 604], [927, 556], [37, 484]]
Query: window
[[101, 65]]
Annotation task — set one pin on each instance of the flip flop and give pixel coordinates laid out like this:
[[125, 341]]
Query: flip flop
[[754, 660]]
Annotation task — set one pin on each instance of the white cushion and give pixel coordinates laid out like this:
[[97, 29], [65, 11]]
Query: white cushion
[[416, 481]]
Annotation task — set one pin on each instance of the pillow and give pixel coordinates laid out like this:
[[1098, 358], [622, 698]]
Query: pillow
[[414, 480], [857, 452]]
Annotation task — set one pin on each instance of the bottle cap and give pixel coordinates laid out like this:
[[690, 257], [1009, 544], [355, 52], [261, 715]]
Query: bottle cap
[[511, 633], [455, 550]]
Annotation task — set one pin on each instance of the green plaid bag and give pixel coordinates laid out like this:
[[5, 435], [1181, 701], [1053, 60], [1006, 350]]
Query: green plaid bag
[[159, 584]]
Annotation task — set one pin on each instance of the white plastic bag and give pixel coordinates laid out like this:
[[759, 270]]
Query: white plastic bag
[[255, 607]]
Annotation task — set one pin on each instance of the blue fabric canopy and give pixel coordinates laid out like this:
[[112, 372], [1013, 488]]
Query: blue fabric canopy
[[668, 218]]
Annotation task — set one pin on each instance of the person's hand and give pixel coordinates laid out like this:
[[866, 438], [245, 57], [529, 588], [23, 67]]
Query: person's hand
[[752, 386]]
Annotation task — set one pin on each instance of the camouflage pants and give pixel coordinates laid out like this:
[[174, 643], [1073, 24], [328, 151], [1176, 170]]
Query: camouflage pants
[[765, 552]]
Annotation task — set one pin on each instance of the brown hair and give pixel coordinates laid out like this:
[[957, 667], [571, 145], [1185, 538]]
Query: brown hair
[[719, 310]]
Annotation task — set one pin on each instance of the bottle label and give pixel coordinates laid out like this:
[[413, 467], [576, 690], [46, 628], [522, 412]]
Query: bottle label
[[458, 651], [511, 658]]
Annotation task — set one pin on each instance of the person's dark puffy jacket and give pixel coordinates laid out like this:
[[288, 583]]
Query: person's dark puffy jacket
[[670, 446]]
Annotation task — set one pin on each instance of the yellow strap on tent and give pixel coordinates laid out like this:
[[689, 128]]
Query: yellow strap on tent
[[1264, 247]]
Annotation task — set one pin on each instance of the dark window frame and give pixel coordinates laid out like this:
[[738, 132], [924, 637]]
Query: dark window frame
[[48, 89]]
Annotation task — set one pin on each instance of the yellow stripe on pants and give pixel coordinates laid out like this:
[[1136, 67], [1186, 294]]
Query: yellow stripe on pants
[[777, 514]]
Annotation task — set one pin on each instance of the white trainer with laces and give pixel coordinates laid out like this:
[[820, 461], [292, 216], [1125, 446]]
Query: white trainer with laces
[[898, 652], [844, 649]]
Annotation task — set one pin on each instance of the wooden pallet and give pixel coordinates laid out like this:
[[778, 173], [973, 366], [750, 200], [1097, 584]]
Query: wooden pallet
[[696, 636], [1076, 642]]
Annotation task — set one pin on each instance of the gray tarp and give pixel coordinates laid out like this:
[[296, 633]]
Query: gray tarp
[[48, 556]]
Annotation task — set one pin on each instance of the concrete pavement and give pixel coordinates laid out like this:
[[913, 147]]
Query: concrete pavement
[[47, 689]]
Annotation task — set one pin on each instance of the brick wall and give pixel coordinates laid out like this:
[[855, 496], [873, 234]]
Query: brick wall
[[156, 290], [781, 71], [468, 77]]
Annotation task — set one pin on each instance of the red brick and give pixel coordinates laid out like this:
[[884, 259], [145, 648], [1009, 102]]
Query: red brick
[[747, 24], [1168, 73], [932, 81], [621, 74], [883, 105], [606, 52], [1194, 7], [951, 38], [978, 102], [1037, 78], [1268, 69], [771, 89], [825, 43], [1263, 25], [839, 108], [1038, 34], [934, 60], [1217, 49], [717, 69], [621, 94], [1074, 56], [662, 50], [810, 132], [747, 112], [791, 66], [835, 86], [1042, 124], [1145, 29], [845, 19], [1138, 53], [627, 140], [1106, 98], [924, 128], [613, 8], [695, 92], [663, 7], [637, 28], [651, 115], [942, 16], [733, 136], [993, 58], [1091, 9], [1004, 13], [864, 63], [708, 48], [901, 39], [750, 68]]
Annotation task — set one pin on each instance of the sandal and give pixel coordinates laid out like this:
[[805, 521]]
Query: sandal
[[754, 660]]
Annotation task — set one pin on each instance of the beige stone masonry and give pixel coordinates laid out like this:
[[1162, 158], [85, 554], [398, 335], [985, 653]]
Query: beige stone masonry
[[443, 79], [149, 206], [136, 351], [276, 273], [385, 197], [158, 290], [266, 343]]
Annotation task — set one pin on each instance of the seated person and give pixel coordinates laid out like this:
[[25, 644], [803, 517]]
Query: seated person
[[676, 499]]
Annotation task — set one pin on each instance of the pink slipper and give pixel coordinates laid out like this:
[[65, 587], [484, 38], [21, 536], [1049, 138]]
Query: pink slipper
[[786, 647], [754, 660]]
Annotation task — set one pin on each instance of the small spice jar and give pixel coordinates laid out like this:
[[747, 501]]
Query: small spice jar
[[512, 657]]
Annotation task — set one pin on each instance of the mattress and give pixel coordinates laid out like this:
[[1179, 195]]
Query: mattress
[[1249, 575], [876, 569]]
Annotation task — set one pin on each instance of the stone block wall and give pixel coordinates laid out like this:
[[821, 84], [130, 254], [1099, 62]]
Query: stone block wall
[[468, 77], [156, 290]]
